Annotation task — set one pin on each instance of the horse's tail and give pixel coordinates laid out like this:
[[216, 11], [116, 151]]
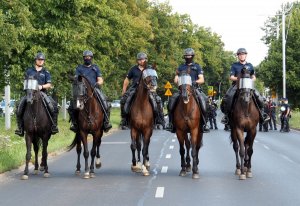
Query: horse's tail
[[74, 143]]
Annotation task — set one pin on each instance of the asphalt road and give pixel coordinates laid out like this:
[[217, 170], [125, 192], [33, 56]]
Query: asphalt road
[[275, 167]]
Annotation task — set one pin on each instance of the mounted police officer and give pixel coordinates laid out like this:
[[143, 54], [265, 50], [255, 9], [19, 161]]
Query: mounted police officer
[[196, 73], [234, 73], [134, 75], [44, 81], [94, 76], [285, 115]]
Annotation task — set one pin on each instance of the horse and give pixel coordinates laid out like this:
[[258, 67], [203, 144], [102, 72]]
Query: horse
[[187, 119], [244, 118], [90, 121], [37, 126], [141, 120]]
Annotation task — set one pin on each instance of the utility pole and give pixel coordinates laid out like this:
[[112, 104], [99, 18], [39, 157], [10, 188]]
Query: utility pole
[[283, 53]]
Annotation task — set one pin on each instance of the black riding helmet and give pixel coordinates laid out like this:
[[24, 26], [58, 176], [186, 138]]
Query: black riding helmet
[[87, 53], [189, 52], [241, 51], [39, 55]]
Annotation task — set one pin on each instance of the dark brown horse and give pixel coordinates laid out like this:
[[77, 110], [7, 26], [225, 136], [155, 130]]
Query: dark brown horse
[[141, 120], [37, 126], [90, 121], [245, 117], [187, 117]]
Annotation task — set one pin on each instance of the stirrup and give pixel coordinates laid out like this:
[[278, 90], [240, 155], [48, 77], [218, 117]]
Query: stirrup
[[169, 127], [224, 120], [74, 128], [19, 132], [54, 129], [107, 127]]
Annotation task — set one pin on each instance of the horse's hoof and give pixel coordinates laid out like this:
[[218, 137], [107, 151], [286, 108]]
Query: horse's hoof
[[98, 163], [249, 174], [92, 175], [147, 165], [242, 177], [196, 176], [77, 172], [36, 172], [46, 175], [145, 171], [237, 172], [86, 175], [182, 173], [42, 168], [24, 177], [189, 169]]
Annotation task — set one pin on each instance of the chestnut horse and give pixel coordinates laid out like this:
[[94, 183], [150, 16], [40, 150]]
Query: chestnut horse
[[90, 121], [37, 126], [187, 119], [245, 117], [141, 120]]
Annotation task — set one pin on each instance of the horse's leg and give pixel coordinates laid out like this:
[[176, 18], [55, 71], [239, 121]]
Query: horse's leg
[[181, 139], [188, 158], [36, 153], [93, 153], [139, 147], [195, 145], [45, 154], [145, 151], [28, 156], [78, 150], [98, 161], [235, 146], [250, 151], [240, 135], [133, 146], [86, 155]]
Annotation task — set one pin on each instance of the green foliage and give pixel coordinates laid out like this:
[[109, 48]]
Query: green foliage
[[114, 30], [270, 70]]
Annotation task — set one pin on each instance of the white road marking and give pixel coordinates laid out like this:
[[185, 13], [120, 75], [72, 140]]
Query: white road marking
[[173, 140], [266, 147], [171, 146], [168, 156], [159, 192], [164, 169], [287, 158], [255, 141]]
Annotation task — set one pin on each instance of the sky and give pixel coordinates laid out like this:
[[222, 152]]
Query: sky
[[238, 22]]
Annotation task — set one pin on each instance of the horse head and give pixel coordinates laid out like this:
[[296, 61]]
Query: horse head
[[31, 86], [79, 92], [185, 86], [150, 79], [245, 84]]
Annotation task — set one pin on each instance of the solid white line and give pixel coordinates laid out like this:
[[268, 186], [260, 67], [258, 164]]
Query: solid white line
[[171, 146], [164, 169], [168, 156], [173, 140], [159, 192]]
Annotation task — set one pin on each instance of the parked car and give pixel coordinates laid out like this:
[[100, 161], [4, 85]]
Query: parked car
[[11, 107], [116, 103]]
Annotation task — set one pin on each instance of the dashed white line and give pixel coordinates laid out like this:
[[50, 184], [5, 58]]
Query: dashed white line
[[164, 169], [159, 192], [171, 146], [173, 140], [266, 147], [168, 156], [287, 158]]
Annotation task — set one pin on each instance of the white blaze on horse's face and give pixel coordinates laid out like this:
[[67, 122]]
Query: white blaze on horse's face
[[150, 79], [183, 81]]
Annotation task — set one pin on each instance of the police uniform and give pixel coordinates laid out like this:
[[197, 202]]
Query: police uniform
[[134, 76], [43, 77], [284, 117], [212, 114], [235, 70], [91, 73], [273, 115], [194, 70]]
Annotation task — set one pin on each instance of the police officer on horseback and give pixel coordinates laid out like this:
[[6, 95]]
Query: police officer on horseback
[[94, 76], [134, 75], [44, 80], [196, 73], [236, 69]]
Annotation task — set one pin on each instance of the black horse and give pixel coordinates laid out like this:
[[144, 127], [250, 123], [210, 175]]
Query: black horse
[[37, 126]]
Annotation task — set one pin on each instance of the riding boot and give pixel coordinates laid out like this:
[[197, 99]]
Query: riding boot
[[106, 125], [73, 119], [20, 130], [54, 128], [123, 123], [169, 127]]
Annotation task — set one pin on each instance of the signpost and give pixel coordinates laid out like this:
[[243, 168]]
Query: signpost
[[210, 91], [168, 92]]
